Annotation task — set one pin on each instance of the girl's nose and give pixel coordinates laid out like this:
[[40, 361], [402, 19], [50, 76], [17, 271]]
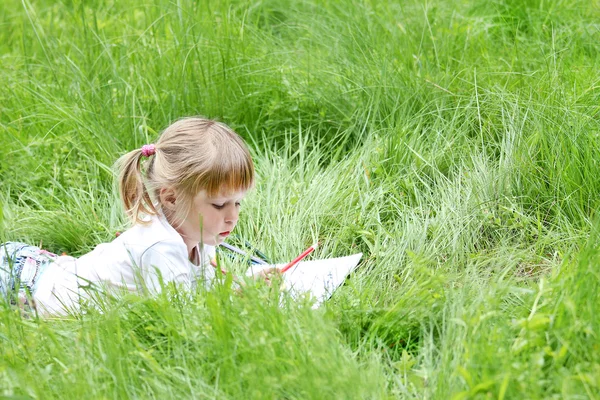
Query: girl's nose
[[232, 214]]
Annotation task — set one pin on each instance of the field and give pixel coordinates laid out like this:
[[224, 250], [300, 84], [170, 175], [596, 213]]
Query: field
[[455, 143]]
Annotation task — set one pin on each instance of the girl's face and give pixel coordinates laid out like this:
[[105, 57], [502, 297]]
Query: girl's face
[[211, 219]]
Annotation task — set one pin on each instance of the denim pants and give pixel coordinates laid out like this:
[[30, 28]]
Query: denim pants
[[21, 266]]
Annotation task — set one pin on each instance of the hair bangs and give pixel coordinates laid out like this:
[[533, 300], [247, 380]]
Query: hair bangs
[[228, 175]]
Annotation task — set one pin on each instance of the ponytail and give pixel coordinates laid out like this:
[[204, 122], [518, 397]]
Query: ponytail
[[134, 195]]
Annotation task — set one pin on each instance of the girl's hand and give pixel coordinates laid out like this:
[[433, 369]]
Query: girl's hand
[[267, 274]]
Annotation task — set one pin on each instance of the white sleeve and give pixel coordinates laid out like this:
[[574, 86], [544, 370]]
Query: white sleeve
[[165, 262], [207, 271]]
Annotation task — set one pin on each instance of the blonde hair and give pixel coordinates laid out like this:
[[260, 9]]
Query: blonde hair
[[191, 155]]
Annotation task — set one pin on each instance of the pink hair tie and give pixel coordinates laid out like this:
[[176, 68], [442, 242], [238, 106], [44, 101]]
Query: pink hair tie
[[148, 150]]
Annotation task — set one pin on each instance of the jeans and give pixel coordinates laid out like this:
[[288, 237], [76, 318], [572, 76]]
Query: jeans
[[21, 266]]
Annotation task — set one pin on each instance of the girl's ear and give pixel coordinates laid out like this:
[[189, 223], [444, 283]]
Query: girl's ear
[[168, 198]]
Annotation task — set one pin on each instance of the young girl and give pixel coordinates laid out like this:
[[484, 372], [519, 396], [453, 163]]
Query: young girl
[[183, 196]]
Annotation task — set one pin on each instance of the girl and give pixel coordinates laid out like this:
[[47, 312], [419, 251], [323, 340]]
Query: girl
[[183, 201]]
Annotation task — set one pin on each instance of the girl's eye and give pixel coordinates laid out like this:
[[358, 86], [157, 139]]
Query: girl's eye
[[222, 206]]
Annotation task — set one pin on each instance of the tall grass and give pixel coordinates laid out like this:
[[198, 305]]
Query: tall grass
[[454, 143]]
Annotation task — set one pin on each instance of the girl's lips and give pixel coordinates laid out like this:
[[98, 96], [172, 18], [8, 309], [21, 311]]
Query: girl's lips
[[225, 233]]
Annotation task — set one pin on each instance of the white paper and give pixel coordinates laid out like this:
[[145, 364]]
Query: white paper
[[319, 277]]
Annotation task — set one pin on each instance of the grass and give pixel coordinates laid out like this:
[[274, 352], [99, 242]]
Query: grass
[[454, 143]]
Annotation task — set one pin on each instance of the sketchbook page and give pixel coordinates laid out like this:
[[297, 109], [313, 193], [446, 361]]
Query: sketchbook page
[[319, 277]]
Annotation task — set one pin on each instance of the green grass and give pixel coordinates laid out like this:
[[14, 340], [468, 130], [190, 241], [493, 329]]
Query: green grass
[[454, 143]]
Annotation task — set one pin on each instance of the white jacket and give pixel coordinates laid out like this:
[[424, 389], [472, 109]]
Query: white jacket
[[137, 260]]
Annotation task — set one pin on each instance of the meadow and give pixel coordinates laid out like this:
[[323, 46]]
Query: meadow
[[455, 143]]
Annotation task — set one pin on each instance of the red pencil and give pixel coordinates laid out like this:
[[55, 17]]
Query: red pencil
[[300, 257]]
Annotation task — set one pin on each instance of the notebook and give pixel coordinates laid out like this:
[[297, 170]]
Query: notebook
[[320, 278]]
